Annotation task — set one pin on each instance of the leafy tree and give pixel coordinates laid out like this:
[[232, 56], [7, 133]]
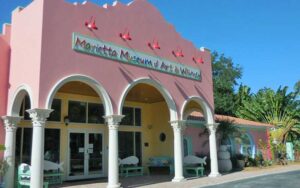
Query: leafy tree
[[225, 75], [279, 108], [243, 94]]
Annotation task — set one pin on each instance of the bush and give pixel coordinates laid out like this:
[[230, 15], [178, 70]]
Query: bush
[[250, 162]]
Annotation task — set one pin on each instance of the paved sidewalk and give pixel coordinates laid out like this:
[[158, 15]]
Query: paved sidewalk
[[164, 181]]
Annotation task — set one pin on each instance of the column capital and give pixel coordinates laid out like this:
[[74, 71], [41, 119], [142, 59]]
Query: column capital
[[39, 115], [113, 121], [11, 122], [178, 124], [212, 127]]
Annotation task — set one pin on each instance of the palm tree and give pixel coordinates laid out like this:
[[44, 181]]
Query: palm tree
[[279, 108]]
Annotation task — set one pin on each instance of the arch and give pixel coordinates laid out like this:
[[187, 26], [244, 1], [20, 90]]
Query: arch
[[252, 144], [18, 96], [206, 109], [99, 89], [163, 91], [189, 111]]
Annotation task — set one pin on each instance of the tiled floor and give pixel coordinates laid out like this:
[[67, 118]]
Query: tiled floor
[[164, 181]]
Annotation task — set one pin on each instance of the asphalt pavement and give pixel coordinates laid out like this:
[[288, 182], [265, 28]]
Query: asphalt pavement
[[284, 180]]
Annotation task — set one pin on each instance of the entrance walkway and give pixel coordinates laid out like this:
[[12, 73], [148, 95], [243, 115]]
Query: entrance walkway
[[164, 181]]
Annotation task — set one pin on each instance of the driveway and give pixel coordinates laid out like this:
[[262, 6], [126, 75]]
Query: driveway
[[285, 180]]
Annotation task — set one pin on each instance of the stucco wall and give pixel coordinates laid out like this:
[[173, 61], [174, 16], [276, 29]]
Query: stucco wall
[[26, 50], [4, 73], [200, 142], [144, 23]]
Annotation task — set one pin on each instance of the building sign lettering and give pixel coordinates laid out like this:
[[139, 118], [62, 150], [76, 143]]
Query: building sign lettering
[[85, 44]]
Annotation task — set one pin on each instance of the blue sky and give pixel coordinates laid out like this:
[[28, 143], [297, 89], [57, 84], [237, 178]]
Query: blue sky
[[262, 36]]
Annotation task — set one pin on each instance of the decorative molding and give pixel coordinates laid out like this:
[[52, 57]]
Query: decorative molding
[[93, 83], [11, 122], [212, 128], [178, 125], [113, 121], [17, 97], [39, 116]]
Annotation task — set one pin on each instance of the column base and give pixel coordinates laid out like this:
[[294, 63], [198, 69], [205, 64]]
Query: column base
[[178, 179], [213, 175], [114, 186]]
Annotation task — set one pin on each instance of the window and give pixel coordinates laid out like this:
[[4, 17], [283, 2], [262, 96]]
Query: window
[[25, 106], [83, 112], [187, 146], [56, 107], [77, 111], [133, 116], [247, 148], [130, 144], [52, 145], [24, 145], [95, 113]]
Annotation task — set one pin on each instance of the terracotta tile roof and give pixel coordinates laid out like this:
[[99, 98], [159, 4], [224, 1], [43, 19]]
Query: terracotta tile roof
[[238, 121]]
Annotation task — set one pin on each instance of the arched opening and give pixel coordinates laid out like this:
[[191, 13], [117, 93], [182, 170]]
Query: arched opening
[[195, 134], [76, 127], [145, 131], [245, 145], [22, 102], [92, 83], [22, 97]]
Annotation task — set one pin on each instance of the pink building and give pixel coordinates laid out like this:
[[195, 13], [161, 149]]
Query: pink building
[[83, 85], [84, 80]]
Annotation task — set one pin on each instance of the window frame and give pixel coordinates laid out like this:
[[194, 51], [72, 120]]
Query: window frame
[[61, 109], [134, 116], [86, 110]]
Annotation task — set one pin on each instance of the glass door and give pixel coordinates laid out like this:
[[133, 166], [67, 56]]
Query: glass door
[[95, 165], [85, 155], [77, 154]]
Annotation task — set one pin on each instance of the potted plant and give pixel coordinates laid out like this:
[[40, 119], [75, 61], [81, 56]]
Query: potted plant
[[225, 131], [3, 167], [240, 161]]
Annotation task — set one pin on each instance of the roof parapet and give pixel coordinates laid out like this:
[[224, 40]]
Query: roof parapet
[[18, 9]]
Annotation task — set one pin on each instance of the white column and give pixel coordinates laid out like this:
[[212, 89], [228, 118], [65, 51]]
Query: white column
[[39, 117], [212, 128], [10, 124], [113, 151], [178, 127]]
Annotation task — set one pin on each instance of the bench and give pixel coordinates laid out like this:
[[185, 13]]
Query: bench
[[53, 177], [53, 172], [161, 162], [195, 164], [24, 176], [128, 167]]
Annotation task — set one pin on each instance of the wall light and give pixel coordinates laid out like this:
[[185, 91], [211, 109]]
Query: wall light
[[91, 24], [178, 53], [149, 126], [66, 120], [125, 35], [198, 60], [154, 45]]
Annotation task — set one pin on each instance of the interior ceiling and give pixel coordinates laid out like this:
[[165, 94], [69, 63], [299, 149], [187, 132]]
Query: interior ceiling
[[194, 105], [78, 88], [144, 93], [139, 93]]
